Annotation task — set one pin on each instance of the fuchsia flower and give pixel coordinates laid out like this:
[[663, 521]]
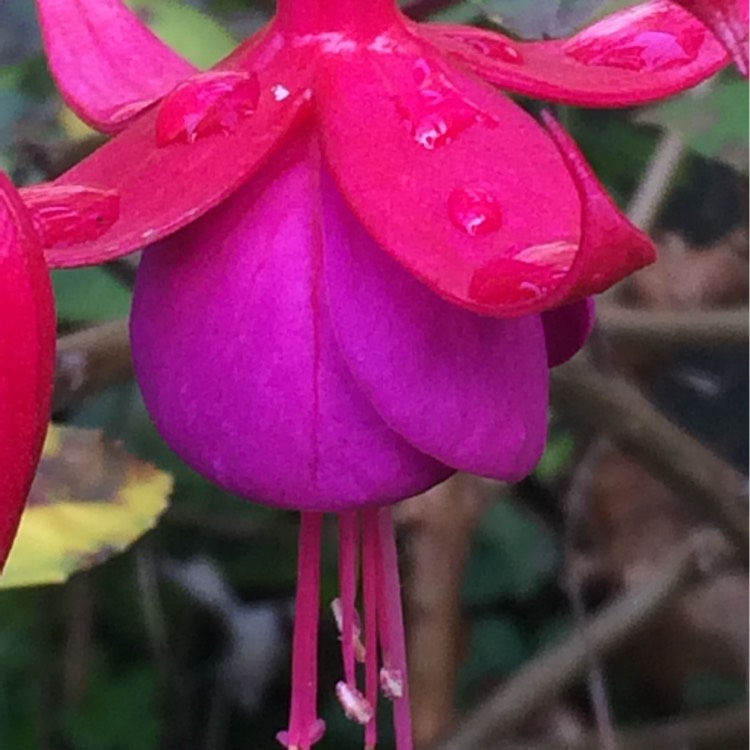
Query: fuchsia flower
[[27, 330], [366, 260], [27, 351], [728, 19]]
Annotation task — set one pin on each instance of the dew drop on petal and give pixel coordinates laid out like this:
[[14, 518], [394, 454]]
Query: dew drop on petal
[[510, 282], [436, 112], [495, 49], [65, 215], [475, 210], [638, 40], [280, 92], [557, 256], [207, 104]]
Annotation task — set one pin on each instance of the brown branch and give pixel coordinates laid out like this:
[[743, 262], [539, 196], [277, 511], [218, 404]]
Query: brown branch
[[612, 406], [441, 524], [721, 729], [513, 703], [668, 328], [90, 360]]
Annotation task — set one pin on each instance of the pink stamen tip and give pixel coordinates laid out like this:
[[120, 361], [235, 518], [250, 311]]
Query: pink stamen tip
[[391, 683], [355, 705], [314, 734]]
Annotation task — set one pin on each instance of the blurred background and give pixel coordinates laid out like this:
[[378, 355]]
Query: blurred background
[[601, 603]]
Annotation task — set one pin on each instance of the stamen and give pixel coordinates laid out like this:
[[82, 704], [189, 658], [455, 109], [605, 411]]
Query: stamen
[[355, 705], [338, 616], [348, 570], [392, 623], [391, 683], [305, 728], [370, 566]]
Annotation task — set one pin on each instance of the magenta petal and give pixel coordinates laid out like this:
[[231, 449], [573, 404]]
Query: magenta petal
[[638, 55], [566, 329], [469, 390], [106, 61], [238, 365]]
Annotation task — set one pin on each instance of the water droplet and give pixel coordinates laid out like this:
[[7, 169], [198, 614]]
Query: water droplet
[[437, 112], [65, 215], [495, 49], [280, 92], [355, 705], [207, 104], [122, 114], [557, 256], [641, 39], [475, 210], [509, 282]]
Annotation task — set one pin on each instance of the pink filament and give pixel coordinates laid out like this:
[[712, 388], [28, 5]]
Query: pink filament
[[389, 602], [304, 726], [370, 575], [383, 626], [348, 564]]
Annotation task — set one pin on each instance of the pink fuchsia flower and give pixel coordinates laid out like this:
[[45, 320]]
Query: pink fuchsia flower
[[366, 260], [27, 350], [728, 19], [27, 329]]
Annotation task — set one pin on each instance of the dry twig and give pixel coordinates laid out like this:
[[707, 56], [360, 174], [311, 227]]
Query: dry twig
[[614, 407], [543, 678], [90, 360]]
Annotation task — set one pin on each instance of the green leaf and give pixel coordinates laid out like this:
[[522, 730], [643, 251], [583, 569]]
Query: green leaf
[[90, 499], [496, 649], [513, 556], [556, 457], [89, 295], [705, 691], [535, 20], [185, 29], [120, 711], [714, 122]]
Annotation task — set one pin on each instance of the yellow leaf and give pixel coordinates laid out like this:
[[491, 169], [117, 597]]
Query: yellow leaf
[[89, 501]]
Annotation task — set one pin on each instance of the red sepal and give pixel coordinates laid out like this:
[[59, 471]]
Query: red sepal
[[27, 349]]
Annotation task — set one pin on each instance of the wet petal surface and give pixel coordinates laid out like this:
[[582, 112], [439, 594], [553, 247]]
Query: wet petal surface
[[638, 55], [452, 179]]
